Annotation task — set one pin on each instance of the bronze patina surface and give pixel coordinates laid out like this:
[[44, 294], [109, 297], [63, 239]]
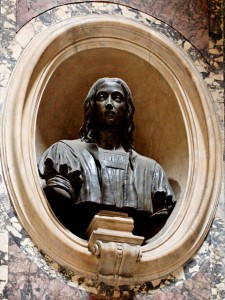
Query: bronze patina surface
[[101, 170]]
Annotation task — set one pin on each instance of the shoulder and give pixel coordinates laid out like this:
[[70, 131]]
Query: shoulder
[[147, 163], [69, 143], [57, 149], [61, 145], [60, 158], [77, 143], [144, 160]]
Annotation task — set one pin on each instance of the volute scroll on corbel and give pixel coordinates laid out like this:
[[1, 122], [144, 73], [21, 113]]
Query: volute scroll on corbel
[[118, 250]]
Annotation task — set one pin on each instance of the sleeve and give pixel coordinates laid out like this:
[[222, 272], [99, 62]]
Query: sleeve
[[59, 159], [162, 193], [60, 167]]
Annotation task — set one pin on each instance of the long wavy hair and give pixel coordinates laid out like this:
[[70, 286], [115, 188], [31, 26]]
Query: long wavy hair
[[88, 130]]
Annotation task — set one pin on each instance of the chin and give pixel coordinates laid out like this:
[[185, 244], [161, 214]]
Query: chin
[[110, 125]]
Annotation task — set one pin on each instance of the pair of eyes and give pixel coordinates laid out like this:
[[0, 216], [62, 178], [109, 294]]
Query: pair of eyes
[[115, 96]]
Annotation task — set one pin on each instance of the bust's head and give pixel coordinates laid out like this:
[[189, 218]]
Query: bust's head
[[109, 103]]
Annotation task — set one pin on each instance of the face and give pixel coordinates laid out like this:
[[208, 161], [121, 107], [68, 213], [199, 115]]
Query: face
[[110, 104]]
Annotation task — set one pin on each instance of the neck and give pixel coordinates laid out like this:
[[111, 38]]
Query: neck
[[109, 139]]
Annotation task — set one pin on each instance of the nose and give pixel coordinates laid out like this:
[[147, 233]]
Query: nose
[[109, 104]]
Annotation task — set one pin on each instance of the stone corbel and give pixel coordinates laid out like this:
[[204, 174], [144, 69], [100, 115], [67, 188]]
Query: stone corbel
[[118, 250]]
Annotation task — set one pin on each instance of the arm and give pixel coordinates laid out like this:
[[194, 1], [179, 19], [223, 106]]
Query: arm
[[61, 186], [162, 195], [60, 169]]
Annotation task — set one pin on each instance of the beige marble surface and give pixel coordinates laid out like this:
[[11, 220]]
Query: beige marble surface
[[4, 241], [116, 247], [200, 183]]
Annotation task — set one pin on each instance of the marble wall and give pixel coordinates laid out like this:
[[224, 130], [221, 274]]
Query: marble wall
[[190, 18], [25, 271]]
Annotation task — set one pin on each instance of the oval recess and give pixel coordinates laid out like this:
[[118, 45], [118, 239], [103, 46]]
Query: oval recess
[[185, 231]]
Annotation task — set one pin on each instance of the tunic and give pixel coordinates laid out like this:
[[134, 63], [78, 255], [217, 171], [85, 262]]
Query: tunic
[[120, 179]]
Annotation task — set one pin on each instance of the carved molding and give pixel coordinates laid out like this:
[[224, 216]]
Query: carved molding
[[118, 250], [183, 235]]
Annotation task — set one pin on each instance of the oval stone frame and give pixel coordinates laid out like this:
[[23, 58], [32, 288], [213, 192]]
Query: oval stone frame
[[185, 233]]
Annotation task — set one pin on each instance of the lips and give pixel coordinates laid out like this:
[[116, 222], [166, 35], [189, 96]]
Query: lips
[[110, 114]]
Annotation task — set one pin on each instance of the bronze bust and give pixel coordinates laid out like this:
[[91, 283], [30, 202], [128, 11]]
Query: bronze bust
[[101, 170]]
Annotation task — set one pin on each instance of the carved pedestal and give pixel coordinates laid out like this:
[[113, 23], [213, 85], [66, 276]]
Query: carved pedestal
[[111, 239]]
